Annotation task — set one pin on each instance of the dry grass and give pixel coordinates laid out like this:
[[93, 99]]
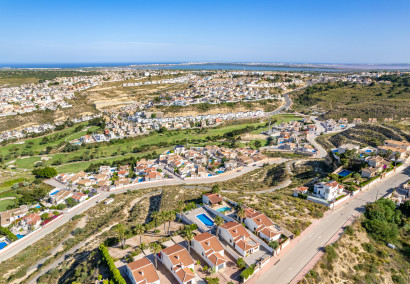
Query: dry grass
[[355, 264]]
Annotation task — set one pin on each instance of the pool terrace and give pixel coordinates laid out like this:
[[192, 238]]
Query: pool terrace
[[224, 208]]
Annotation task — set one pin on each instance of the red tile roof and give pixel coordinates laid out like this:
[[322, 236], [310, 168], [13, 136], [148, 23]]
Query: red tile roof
[[143, 271]]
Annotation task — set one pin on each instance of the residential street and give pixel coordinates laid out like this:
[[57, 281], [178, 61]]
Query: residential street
[[8, 252], [300, 254]]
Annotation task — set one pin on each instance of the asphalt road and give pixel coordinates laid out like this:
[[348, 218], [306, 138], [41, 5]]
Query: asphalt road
[[9, 252], [301, 253]]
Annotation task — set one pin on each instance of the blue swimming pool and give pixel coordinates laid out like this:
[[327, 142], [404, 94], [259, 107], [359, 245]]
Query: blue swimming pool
[[219, 172], [344, 173], [3, 245], [368, 151], [205, 219], [19, 236], [54, 192], [223, 209]]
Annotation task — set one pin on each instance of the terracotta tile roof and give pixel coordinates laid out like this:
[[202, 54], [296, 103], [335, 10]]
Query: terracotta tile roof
[[209, 242], [184, 273], [216, 258], [214, 197], [143, 271], [178, 255]]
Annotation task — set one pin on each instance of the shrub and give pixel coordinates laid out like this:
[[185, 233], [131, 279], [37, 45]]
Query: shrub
[[241, 263], [210, 280], [114, 272], [246, 273], [46, 172], [61, 206], [368, 247], [398, 279], [274, 244], [349, 230], [331, 253], [297, 232], [6, 232], [75, 217]]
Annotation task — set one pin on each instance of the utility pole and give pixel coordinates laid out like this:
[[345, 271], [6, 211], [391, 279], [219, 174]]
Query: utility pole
[[377, 195]]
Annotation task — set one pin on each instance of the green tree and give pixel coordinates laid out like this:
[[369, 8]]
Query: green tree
[[241, 214], [188, 236], [155, 249], [47, 172], [218, 222], [180, 206], [121, 232], [139, 230], [156, 217], [215, 188]]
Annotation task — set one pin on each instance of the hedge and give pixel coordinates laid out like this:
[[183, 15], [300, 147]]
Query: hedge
[[246, 273], [5, 231], [114, 272]]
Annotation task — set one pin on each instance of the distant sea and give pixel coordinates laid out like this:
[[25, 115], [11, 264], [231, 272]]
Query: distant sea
[[213, 66]]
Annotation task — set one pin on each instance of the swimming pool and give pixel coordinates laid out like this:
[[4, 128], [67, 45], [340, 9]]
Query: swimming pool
[[219, 172], [19, 236], [368, 151], [223, 209], [3, 245], [54, 192], [344, 173], [205, 219]]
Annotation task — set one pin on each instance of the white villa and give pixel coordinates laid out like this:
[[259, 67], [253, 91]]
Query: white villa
[[328, 190], [210, 249]]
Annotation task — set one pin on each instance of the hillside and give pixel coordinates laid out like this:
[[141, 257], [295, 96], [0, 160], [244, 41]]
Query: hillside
[[361, 254], [355, 100], [363, 134]]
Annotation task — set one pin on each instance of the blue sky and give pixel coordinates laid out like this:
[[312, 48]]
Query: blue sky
[[305, 31]]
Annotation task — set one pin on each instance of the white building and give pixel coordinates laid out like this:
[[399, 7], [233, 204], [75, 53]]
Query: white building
[[178, 261], [210, 249], [328, 190], [237, 236], [261, 225], [142, 271]]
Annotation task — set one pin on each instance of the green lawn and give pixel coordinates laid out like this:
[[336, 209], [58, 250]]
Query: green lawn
[[33, 144], [112, 152], [5, 203], [281, 118], [79, 166]]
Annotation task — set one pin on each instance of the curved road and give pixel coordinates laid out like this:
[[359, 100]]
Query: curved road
[[304, 249], [15, 248]]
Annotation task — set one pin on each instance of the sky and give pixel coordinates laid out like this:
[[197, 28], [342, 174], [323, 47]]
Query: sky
[[305, 31]]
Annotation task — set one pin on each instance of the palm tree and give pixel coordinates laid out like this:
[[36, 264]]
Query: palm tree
[[155, 216], [180, 206], [171, 217], [120, 229], [356, 177], [139, 230], [218, 222], [188, 236], [396, 157], [388, 154], [164, 218], [241, 214], [155, 249]]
